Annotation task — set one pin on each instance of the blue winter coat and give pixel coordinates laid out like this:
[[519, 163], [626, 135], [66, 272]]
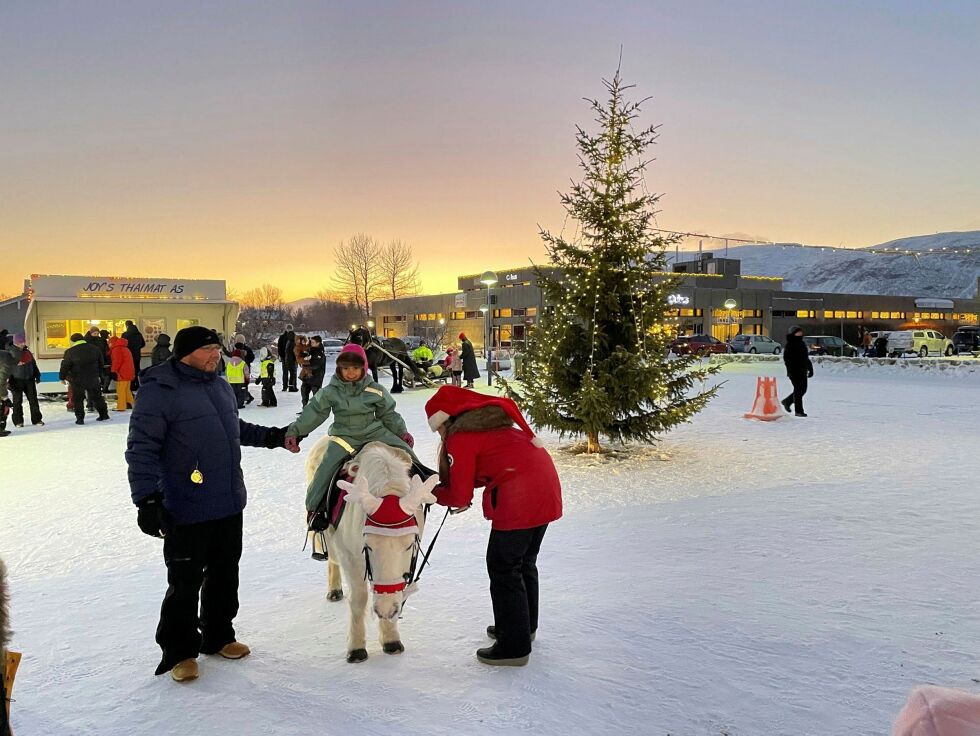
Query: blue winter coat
[[187, 419]]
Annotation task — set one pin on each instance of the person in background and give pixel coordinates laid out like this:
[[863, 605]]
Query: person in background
[[106, 373], [23, 384], [80, 370], [267, 377], [456, 366], [9, 358], [123, 372], [237, 374], [314, 370], [134, 338], [866, 342], [185, 478], [422, 355], [161, 351], [481, 447], [285, 345], [796, 356], [468, 355], [881, 345], [249, 357]]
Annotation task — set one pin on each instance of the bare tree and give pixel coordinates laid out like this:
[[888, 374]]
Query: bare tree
[[397, 270], [262, 312], [356, 277]]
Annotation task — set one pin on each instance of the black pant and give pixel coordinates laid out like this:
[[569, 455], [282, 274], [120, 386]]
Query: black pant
[[289, 375], [202, 560], [512, 565], [309, 388], [19, 390], [240, 390], [269, 392], [81, 393], [135, 383], [799, 388]]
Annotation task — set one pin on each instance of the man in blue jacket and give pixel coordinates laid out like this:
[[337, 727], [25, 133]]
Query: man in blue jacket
[[185, 475]]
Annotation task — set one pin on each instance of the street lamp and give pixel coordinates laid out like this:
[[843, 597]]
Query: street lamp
[[370, 324], [730, 304], [489, 278]]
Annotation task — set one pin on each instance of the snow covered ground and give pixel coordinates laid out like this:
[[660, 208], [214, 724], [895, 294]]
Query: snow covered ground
[[796, 577]]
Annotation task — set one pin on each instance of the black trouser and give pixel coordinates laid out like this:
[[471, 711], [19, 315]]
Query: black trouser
[[269, 392], [799, 388], [240, 390], [19, 390], [289, 375], [309, 388], [81, 393], [135, 383], [512, 565], [202, 560]]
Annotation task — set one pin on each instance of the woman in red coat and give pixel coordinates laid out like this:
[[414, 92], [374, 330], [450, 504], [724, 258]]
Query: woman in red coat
[[124, 370], [481, 447]]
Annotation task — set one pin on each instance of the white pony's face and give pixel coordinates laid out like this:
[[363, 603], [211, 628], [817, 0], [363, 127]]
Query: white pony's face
[[391, 560]]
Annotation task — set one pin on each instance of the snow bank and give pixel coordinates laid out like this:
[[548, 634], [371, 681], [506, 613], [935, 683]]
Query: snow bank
[[830, 363]]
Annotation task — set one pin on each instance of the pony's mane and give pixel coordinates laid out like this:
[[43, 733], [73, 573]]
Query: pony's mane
[[386, 468]]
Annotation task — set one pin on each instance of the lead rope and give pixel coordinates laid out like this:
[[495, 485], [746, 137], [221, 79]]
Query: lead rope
[[425, 556]]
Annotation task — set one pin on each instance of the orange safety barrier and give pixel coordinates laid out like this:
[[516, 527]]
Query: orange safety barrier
[[766, 405]]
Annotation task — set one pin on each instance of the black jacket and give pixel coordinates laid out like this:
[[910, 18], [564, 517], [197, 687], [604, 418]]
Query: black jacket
[[317, 363], [470, 370], [102, 344], [161, 353], [82, 365], [287, 341], [796, 356], [247, 355]]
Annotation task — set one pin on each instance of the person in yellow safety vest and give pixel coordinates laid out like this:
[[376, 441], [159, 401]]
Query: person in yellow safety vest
[[236, 373], [422, 355], [267, 377]]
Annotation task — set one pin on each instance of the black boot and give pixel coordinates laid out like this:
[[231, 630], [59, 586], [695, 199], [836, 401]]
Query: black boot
[[490, 655], [492, 632]]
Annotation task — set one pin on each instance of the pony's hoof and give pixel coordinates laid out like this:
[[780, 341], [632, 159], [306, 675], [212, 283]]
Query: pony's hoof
[[393, 647], [396, 390], [356, 655], [335, 595]]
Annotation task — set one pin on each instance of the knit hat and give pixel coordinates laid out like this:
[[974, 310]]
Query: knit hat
[[190, 339], [236, 353], [19, 339], [77, 337], [451, 401], [352, 354], [462, 335]]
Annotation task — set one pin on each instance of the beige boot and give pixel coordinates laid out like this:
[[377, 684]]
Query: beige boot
[[234, 650], [184, 671]]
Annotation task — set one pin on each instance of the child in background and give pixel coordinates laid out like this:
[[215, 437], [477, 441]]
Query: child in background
[[236, 373], [456, 366], [267, 378]]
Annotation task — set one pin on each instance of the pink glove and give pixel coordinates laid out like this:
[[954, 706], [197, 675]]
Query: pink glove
[[291, 444], [409, 440]]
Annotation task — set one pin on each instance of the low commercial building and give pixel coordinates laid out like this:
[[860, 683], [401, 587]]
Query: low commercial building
[[712, 297]]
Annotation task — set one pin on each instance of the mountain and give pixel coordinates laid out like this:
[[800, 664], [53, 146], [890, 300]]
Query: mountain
[[304, 303], [940, 265]]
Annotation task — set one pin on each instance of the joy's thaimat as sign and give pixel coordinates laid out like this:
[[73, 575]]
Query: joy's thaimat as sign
[[131, 287], [125, 287]]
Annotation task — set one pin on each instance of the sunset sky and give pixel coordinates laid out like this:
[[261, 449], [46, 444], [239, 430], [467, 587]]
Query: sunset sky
[[244, 140]]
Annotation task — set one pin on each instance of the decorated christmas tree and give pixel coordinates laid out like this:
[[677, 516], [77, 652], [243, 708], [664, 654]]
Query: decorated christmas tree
[[596, 363]]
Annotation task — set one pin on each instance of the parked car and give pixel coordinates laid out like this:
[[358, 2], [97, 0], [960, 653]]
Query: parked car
[[755, 344], [919, 342], [332, 346], [966, 340], [698, 345], [829, 345]]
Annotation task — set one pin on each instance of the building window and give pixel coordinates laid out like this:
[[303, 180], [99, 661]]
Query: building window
[[457, 315], [519, 312], [504, 312], [532, 311], [897, 315], [474, 315], [806, 314], [852, 315]]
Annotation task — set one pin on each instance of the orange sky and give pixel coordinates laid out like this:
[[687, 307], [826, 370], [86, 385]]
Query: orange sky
[[189, 141]]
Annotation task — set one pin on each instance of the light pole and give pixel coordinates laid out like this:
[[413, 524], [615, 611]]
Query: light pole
[[489, 278], [730, 304], [442, 331]]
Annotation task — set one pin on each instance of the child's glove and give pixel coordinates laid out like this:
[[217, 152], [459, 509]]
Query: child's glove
[[359, 492], [408, 440]]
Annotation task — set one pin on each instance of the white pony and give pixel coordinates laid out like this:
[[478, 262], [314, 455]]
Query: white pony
[[381, 527]]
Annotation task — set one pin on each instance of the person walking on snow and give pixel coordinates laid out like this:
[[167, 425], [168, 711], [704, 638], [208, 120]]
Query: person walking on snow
[[468, 356], [237, 374], [796, 356], [185, 477], [314, 370], [23, 384], [267, 378], [363, 412], [481, 447], [9, 358], [121, 365], [80, 369], [286, 343], [136, 343]]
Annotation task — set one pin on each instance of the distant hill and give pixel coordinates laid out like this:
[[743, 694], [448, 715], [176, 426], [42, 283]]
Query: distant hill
[[941, 265], [302, 303]]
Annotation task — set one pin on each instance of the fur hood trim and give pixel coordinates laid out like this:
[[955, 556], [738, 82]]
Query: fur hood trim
[[481, 420]]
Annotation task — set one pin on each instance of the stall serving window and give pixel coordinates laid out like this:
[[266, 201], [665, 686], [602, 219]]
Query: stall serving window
[[182, 323], [58, 332]]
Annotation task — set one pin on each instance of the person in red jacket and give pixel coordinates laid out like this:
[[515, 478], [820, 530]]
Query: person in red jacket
[[481, 447], [123, 368]]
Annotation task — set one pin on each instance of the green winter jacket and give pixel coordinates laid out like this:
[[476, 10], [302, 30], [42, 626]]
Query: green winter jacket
[[360, 411]]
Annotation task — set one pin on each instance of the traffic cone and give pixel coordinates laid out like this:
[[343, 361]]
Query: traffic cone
[[766, 404]]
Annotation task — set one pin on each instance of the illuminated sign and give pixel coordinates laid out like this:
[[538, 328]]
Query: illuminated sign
[[675, 299], [124, 288], [510, 277]]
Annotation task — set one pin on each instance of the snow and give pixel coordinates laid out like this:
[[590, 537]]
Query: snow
[[792, 577], [942, 273]]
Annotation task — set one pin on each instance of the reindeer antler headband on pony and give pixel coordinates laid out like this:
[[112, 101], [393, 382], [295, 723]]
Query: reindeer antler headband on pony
[[451, 401]]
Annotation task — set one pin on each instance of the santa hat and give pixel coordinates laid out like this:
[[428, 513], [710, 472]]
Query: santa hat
[[451, 401], [390, 519]]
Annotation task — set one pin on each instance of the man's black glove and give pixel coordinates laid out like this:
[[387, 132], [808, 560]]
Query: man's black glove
[[152, 517], [275, 437], [809, 373]]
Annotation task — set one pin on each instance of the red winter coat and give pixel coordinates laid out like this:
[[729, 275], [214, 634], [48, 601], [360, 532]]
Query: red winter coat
[[521, 487], [121, 359]]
